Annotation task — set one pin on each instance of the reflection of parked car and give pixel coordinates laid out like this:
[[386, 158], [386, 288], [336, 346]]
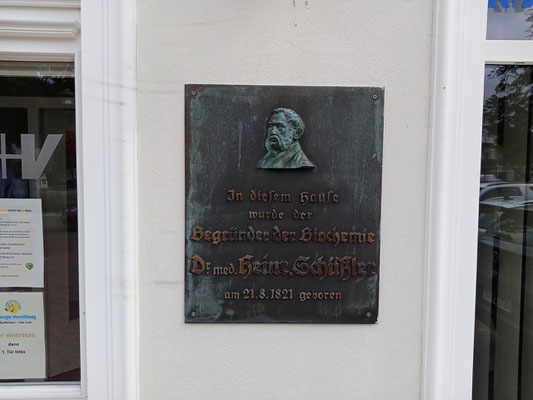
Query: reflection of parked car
[[491, 210], [513, 225], [506, 190]]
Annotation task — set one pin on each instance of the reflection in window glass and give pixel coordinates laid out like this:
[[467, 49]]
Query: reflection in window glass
[[510, 20], [38, 99], [503, 350]]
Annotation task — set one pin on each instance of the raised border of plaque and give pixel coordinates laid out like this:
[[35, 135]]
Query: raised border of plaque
[[283, 203]]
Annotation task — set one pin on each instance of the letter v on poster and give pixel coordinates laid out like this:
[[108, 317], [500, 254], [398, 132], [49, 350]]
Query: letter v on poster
[[21, 243]]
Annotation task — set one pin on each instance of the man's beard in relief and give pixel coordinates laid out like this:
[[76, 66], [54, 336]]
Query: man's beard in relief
[[277, 146]]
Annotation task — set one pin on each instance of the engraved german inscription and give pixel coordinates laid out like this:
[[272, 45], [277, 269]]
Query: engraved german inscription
[[276, 237]]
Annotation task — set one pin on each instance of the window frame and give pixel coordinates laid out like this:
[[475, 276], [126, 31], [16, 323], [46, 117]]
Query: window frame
[[460, 55], [109, 101], [104, 50]]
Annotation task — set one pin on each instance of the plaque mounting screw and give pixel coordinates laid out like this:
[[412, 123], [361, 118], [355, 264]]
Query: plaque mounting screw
[[368, 314], [193, 314], [375, 96], [193, 93]]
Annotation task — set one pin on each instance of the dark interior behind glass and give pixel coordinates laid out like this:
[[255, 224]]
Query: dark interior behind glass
[[503, 350], [41, 101]]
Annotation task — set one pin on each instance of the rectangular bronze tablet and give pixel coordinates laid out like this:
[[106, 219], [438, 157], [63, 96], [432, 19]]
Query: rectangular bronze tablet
[[283, 204]]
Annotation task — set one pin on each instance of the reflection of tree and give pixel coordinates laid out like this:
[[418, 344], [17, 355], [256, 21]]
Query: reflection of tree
[[506, 120], [45, 86], [529, 19]]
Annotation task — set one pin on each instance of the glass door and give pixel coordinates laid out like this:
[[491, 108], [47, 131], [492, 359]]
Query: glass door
[[503, 348]]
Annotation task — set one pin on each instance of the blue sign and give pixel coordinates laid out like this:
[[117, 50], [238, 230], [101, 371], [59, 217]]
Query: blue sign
[[511, 3]]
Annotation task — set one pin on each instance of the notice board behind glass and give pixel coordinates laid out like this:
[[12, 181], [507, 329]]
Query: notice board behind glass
[[37, 108]]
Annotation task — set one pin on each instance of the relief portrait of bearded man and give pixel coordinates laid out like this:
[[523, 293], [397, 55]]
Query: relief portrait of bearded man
[[284, 129]]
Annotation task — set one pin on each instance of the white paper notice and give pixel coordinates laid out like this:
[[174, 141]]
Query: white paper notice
[[21, 243], [22, 345]]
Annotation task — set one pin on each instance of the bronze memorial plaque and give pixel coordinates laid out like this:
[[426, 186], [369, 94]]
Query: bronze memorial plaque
[[283, 202]]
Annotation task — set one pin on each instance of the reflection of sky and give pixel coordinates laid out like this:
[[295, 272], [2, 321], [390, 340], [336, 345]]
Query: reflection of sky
[[490, 83], [508, 23]]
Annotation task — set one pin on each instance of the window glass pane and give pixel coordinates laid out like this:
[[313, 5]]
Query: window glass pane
[[510, 20], [503, 350], [38, 99]]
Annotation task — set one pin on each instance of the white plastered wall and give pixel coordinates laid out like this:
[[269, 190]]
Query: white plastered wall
[[282, 42]]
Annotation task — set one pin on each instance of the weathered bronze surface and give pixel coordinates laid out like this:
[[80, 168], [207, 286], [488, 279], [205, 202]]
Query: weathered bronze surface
[[285, 236], [284, 130]]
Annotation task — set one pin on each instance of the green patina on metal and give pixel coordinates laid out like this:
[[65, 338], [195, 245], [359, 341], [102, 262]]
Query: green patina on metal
[[291, 234], [284, 130]]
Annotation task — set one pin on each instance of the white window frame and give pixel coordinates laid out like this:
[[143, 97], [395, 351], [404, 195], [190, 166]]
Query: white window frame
[[460, 55], [106, 128]]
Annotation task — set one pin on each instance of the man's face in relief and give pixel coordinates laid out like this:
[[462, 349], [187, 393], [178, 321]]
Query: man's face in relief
[[280, 133]]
